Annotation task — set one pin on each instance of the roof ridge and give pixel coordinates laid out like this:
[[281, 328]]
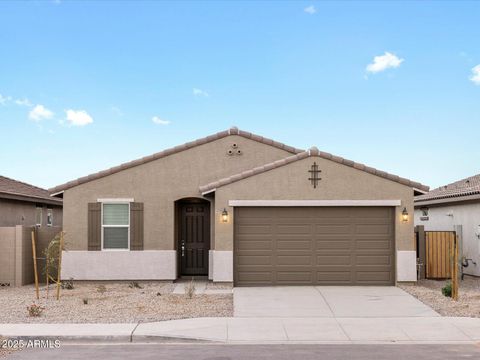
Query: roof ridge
[[169, 151], [313, 151]]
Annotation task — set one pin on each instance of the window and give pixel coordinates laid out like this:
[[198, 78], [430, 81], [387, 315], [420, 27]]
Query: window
[[38, 216], [115, 226], [424, 216], [49, 217]]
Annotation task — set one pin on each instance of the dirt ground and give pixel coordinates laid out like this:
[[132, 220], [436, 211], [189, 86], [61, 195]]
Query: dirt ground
[[430, 293], [111, 303]]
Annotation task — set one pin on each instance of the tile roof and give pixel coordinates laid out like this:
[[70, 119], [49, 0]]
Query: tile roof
[[311, 152], [18, 189], [232, 131], [465, 187]]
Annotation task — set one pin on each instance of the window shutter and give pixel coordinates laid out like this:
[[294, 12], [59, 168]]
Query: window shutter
[[94, 226], [136, 226]]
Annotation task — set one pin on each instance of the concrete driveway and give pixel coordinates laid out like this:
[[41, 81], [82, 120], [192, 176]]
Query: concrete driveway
[[328, 301]]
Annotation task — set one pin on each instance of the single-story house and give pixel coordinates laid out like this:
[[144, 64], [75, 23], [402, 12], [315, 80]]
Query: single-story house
[[28, 205], [450, 206], [238, 207], [23, 208]]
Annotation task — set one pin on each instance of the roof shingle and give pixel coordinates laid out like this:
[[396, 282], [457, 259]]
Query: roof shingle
[[465, 187], [20, 189]]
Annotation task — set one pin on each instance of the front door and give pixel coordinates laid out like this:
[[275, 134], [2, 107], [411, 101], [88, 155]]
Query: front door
[[194, 239]]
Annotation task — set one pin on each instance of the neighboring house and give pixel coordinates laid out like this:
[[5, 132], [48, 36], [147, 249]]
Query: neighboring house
[[25, 204], [445, 208], [24, 208], [238, 207]]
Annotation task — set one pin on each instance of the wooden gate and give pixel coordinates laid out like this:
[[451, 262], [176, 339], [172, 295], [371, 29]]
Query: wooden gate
[[439, 252]]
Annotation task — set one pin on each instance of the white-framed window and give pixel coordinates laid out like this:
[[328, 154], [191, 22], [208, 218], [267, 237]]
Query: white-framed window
[[115, 225], [49, 217], [38, 215]]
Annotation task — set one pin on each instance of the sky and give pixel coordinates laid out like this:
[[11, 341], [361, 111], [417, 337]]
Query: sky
[[89, 85]]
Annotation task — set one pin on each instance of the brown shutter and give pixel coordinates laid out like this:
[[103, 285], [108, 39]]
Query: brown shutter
[[94, 226], [136, 226]]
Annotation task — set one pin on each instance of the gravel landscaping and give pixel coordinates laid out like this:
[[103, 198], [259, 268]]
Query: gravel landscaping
[[430, 293], [111, 302]]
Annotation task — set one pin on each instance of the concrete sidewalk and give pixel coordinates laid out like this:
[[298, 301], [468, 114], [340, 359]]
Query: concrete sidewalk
[[413, 330]]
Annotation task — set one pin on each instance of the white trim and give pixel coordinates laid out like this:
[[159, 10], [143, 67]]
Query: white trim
[[57, 193], [116, 200], [209, 191], [314, 202]]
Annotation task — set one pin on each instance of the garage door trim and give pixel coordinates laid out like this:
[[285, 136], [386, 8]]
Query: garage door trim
[[312, 203]]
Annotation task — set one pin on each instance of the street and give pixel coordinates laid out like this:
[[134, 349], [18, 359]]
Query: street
[[241, 352]]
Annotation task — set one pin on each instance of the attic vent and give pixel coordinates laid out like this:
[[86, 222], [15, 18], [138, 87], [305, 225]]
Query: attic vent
[[467, 182]]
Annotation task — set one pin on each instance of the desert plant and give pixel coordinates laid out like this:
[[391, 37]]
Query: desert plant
[[67, 284], [85, 301], [51, 254], [447, 290], [134, 285], [102, 289], [190, 289], [35, 310]]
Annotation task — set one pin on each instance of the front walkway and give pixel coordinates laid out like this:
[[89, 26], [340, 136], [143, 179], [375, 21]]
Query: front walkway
[[328, 301]]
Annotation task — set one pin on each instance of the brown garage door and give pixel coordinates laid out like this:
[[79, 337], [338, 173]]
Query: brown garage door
[[314, 246]]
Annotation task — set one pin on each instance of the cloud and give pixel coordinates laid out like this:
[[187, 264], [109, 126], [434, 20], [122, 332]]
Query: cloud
[[475, 78], [310, 10], [384, 62], [158, 121], [4, 99], [78, 117], [39, 113], [23, 102], [200, 92]]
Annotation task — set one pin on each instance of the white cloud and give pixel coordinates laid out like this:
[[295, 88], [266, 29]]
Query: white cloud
[[78, 117], [4, 99], [310, 10], [40, 112], [200, 92], [23, 102], [475, 78], [384, 62], [159, 121]]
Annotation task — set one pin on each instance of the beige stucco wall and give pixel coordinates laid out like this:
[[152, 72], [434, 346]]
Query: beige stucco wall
[[158, 184], [339, 182]]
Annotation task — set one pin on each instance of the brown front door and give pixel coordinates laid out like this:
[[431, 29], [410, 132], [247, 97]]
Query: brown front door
[[194, 239]]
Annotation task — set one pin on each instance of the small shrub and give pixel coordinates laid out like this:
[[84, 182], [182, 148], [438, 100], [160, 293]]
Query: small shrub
[[190, 289], [35, 310], [85, 301], [134, 285], [67, 284], [447, 290], [102, 289]]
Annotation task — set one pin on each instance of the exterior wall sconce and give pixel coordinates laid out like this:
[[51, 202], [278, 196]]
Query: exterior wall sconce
[[405, 215], [224, 215]]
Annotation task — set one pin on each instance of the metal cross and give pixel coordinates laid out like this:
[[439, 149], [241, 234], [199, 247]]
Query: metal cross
[[314, 172]]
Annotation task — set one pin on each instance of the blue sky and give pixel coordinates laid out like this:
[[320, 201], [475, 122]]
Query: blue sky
[[88, 85]]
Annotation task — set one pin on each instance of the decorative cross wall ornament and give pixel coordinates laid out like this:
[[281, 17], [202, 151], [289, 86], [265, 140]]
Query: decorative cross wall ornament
[[314, 175]]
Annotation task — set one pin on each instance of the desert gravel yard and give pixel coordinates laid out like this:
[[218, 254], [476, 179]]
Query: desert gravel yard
[[430, 293], [111, 303]]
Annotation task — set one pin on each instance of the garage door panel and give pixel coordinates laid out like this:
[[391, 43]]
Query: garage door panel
[[333, 259], [314, 246]]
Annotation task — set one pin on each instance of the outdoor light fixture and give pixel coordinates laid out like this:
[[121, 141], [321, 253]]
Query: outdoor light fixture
[[224, 215], [405, 214]]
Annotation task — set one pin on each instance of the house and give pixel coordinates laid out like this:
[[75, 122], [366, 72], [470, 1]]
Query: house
[[235, 206], [28, 205], [24, 208], [450, 206]]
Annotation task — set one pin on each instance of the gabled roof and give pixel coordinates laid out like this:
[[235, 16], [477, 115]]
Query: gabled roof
[[13, 189], [232, 131], [463, 188], [311, 152]]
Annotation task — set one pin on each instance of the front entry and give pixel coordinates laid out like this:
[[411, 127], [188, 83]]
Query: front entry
[[193, 237]]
